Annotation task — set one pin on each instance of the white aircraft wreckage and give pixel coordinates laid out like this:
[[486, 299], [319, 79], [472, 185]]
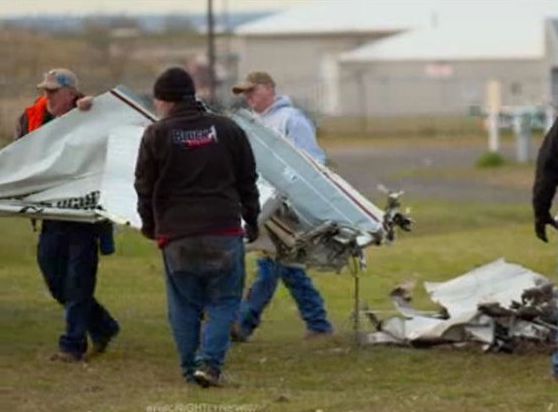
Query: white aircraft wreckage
[[499, 306], [81, 167]]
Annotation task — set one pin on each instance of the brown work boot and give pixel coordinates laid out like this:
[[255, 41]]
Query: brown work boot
[[66, 357], [206, 376], [237, 334], [314, 334]]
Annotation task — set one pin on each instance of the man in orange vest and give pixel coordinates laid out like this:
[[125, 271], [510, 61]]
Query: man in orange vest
[[68, 251], [60, 95]]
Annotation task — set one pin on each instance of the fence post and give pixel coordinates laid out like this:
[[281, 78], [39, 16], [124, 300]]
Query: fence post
[[522, 127], [494, 104]]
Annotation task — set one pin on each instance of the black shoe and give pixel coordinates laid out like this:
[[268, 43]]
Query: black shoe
[[100, 346], [206, 376]]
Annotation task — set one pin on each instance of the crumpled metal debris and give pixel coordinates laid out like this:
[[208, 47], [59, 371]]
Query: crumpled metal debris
[[322, 221], [326, 246], [499, 306], [83, 170]]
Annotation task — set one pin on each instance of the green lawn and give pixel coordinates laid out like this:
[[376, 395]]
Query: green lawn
[[277, 370]]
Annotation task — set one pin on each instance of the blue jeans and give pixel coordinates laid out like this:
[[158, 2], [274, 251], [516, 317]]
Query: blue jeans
[[205, 279], [68, 258], [555, 358], [308, 300]]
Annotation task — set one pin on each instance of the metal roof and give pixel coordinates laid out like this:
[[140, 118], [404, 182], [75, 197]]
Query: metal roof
[[429, 29], [515, 32], [342, 16], [456, 42]]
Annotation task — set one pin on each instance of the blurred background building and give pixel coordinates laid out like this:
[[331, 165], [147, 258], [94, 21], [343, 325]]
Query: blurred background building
[[366, 58], [354, 65]]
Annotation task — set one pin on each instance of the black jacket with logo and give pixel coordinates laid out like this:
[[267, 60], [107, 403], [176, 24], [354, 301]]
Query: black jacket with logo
[[195, 174], [546, 178]]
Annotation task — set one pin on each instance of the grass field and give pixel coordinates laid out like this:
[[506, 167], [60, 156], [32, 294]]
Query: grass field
[[277, 370]]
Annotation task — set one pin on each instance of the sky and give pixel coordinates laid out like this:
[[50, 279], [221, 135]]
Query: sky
[[9, 8]]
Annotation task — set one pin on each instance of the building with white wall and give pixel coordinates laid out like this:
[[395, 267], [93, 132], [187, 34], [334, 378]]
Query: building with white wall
[[425, 57]]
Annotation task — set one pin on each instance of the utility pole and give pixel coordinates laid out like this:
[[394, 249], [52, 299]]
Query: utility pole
[[211, 51]]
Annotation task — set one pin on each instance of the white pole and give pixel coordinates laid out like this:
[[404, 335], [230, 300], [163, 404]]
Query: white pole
[[494, 105], [493, 132], [523, 136]]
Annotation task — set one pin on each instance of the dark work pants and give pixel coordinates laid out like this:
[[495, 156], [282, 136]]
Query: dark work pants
[[68, 258]]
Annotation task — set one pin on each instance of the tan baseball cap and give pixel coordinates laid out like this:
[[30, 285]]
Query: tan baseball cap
[[252, 80], [57, 78]]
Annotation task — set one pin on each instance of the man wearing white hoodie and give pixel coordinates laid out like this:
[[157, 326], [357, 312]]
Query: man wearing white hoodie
[[278, 113]]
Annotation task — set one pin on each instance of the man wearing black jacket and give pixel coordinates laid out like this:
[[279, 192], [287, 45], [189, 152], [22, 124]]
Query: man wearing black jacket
[[195, 179], [544, 189]]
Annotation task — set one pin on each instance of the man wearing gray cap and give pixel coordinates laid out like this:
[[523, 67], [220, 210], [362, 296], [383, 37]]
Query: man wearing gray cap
[[60, 95], [68, 251], [277, 112]]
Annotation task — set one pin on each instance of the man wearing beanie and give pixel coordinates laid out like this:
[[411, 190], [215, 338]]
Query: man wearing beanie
[[195, 179]]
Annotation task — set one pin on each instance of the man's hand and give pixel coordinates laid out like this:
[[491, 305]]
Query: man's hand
[[540, 226], [251, 232], [85, 103]]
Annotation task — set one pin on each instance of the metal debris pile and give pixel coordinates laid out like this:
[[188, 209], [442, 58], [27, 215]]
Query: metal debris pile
[[500, 306]]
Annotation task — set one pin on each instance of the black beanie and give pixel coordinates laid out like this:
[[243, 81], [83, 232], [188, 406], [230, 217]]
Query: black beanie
[[174, 85]]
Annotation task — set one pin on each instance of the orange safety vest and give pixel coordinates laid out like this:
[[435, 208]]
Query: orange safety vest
[[36, 114]]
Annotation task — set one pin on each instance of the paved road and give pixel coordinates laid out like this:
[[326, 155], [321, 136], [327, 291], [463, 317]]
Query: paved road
[[365, 168]]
